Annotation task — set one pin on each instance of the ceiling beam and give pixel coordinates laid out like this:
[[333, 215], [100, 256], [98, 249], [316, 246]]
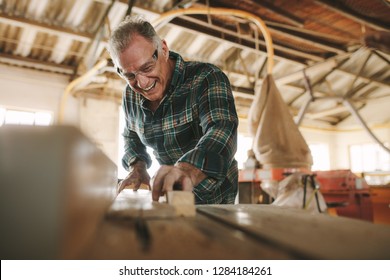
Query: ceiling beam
[[318, 67], [344, 10], [35, 64], [295, 32], [194, 25], [42, 27], [309, 39], [281, 13], [335, 63]]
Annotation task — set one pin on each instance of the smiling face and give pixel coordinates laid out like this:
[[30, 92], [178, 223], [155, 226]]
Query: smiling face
[[146, 68]]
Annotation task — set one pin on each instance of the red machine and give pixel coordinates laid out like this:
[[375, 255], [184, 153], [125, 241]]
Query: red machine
[[346, 193]]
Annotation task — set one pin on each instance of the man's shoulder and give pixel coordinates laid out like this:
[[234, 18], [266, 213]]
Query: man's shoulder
[[199, 68], [202, 65]]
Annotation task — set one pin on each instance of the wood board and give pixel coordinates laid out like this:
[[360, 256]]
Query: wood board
[[134, 204], [181, 238], [313, 236]]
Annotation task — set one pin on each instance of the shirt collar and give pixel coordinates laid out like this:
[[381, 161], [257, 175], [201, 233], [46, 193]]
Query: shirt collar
[[178, 71]]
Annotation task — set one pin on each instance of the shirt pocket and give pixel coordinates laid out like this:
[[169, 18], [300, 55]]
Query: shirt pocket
[[178, 121], [181, 132]]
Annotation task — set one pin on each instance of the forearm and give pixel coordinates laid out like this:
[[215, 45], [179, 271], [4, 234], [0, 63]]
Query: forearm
[[138, 165], [215, 151], [134, 150]]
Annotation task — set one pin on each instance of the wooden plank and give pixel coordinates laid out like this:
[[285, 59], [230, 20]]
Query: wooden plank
[[316, 236], [183, 202], [182, 238], [56, 186], [133, 204]]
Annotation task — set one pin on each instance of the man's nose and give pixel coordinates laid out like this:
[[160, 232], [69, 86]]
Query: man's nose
[[142, 81]]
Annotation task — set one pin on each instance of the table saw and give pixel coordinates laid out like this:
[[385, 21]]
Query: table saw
[[58, 201]]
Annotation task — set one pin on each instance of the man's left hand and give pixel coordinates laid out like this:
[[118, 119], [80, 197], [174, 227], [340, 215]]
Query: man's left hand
[[168, 177]]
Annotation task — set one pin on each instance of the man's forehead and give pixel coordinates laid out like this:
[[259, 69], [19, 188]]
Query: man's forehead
[[137, 53]]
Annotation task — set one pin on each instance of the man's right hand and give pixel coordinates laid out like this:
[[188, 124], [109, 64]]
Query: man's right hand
[[138, 177]]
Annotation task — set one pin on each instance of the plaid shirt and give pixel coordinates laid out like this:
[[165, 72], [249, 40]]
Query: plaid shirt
[[195, 123]]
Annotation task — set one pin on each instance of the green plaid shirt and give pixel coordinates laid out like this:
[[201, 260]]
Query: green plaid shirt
[[195, 123]]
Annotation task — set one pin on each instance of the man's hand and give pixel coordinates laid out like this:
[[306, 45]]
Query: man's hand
[[182, 175], [137, 176]]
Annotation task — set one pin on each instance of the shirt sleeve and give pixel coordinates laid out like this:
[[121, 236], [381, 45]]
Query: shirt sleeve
[[134, 149], [215, 150]]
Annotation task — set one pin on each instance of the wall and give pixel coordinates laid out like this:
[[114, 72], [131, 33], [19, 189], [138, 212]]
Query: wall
[[27, 89], [339, 142], [99, 119]]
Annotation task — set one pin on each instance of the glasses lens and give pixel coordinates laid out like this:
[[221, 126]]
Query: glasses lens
[[148, 69]]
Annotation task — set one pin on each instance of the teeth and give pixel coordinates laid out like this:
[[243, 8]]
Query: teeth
[[148, 88]]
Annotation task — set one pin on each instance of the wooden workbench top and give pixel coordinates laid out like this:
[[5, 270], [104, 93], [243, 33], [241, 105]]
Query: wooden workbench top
[[242, 231]]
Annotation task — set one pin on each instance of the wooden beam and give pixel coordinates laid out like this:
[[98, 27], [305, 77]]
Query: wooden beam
[[35, 64], [296, 32], [195, 25], [281, 13], [314, 40], [344, 10], [51, 29]]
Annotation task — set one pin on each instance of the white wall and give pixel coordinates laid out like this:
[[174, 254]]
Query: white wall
[[99, 119], [28, 89], [35, 90], [339, 142]]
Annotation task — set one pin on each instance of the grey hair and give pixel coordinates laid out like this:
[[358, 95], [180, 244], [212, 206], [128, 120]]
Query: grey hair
[[123, 34]]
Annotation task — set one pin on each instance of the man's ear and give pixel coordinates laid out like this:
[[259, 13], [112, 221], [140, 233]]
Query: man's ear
[[165, 49]]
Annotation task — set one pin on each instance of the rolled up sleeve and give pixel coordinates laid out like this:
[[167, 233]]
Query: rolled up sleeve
[[215, 150]]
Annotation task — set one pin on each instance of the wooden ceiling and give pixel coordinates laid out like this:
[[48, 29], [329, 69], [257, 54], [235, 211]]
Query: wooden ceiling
[[331, 60]]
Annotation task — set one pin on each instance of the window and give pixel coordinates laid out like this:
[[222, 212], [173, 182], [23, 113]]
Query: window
[[368, 157], [20, 117], [320, 155], [122, 173], [244, 144]]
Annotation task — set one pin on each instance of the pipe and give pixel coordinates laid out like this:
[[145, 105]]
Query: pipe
[[302, 112], [93, 71], [354, 112], [168, 16]]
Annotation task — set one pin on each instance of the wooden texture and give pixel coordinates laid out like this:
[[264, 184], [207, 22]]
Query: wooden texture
[[133, 204], [183, 202], [313, 236], [180, 238], [56, 186], [241, 232]]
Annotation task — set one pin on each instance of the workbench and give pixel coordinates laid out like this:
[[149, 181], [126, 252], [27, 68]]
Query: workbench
[[57, 190], [242, 231]]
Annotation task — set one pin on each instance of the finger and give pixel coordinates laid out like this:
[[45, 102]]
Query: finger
[[187, 184], [121, 186], [157, 182], [126, 184], [172, 181], [158, 177]]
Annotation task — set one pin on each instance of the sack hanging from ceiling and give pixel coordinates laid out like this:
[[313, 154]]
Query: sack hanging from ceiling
[[277, 141]]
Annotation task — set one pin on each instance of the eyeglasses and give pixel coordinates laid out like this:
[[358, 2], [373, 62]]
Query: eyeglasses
[[145, 69]]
